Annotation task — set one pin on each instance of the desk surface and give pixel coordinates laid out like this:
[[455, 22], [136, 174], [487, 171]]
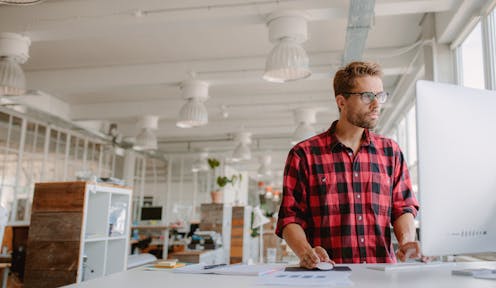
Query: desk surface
[[361, 277]]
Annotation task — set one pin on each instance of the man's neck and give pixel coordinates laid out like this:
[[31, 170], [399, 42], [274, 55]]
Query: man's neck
[[349, 134]]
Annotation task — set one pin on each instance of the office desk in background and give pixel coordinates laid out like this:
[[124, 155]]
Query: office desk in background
[[361, 277]]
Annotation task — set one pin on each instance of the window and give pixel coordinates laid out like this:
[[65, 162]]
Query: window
[[471, 62]]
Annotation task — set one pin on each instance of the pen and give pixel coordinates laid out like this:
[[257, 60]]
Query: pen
[[214, 266]]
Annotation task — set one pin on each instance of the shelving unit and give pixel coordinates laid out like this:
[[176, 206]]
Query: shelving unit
[[79, 231]]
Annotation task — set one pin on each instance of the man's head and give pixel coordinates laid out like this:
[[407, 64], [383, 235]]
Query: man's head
[[359, 93]]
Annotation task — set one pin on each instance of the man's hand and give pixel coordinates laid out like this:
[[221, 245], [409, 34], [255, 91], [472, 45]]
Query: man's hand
[[408, 250], [313, 256]]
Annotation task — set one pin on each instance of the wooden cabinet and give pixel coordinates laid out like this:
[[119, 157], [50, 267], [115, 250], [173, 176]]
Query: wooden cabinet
[[240, 234], [78, 231]]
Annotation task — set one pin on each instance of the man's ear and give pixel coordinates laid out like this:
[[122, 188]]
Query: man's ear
[[340, 101]]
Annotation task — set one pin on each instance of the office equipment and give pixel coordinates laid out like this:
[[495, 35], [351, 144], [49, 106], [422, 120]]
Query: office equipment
[[299, 269], [456, 156], [361, 277], [151, 213], [70, 238], [325, 266], [410, 266], [473, 272]]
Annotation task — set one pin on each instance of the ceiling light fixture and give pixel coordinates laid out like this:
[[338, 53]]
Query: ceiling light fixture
[[21, 2], [287, 61], [146, 139], [193, 113], [14, 50], [264, 170], [304, 117], [201, 163], [242, 150]]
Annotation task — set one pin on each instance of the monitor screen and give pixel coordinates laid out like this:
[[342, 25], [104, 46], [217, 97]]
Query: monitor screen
[[151, 213], [456, 144]]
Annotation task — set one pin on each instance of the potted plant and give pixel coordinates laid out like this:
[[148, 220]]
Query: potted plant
[[221, 181]]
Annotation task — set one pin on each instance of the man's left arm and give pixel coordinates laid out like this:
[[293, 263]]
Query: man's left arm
[[405, 207], [404, 229]]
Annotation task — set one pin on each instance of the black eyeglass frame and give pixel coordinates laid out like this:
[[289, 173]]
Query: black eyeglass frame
[[367, 97]]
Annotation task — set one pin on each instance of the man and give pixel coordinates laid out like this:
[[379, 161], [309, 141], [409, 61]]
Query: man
[[343, 188]]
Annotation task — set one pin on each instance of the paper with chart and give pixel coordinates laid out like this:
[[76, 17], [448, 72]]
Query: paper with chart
[[234, 269], [306, 278]]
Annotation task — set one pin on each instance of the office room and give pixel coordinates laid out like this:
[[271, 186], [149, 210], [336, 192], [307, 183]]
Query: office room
[[263, 143]]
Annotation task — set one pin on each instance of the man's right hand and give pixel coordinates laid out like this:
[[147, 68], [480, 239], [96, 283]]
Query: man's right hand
[[312, 256]]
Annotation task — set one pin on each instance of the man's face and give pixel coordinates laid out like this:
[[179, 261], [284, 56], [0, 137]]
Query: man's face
[[355, 110]]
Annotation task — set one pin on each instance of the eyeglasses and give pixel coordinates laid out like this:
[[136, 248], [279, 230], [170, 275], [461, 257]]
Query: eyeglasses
[[368, 97]]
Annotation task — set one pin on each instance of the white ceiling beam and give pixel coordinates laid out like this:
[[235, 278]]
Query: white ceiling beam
[[217, 71], [94, 19], [451, 23]]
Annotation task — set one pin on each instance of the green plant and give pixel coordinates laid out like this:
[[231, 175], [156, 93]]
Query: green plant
[[222, 180], [213, 163]]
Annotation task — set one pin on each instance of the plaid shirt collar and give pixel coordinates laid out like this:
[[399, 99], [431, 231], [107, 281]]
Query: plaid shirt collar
[[333, 143]]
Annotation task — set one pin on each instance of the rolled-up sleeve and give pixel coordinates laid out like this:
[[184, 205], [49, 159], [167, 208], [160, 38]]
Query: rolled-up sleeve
[[404, 200], [293, 204]]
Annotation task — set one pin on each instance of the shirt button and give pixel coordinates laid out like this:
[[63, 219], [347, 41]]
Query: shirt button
[[358, 195], [362, 240], [359, 217], [356, 174], [349, 153]]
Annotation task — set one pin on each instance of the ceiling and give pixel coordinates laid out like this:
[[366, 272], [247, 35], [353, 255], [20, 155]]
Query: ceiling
[[117, 60]]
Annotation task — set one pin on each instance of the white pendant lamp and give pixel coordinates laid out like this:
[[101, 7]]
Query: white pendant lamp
[[264, 170], [14, 50], [193, 113], [242, 150], [201, 163], [287, 61], [304, 118], [146, 139]]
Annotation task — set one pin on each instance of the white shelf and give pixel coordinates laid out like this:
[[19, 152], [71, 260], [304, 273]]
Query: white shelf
[[95, 239], [107, 212], [112, 238]]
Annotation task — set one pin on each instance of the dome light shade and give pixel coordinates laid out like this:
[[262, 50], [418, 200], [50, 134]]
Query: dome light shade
[[14, 50], [201, 163], [241, 152], [264, 169], [146, 140], [302, 132], [12, 80], [287, 61], [192, 114]]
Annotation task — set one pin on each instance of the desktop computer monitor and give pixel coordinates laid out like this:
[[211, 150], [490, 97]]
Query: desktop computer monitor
[[151, 213], [456, 141]]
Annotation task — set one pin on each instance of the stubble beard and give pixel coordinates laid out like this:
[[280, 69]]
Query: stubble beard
[[360, 120]]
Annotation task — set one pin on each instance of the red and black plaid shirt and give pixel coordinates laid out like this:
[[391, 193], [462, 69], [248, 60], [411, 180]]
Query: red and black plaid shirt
[[343, 203]]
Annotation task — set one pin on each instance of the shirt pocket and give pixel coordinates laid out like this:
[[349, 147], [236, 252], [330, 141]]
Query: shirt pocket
[[381, 190]]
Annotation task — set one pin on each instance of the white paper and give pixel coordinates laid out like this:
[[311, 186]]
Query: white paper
[[235, 269]]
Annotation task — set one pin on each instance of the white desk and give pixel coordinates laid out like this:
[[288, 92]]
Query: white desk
[[361, 277]]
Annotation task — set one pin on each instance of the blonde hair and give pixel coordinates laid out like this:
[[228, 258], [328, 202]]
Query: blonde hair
[[344, 80]]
